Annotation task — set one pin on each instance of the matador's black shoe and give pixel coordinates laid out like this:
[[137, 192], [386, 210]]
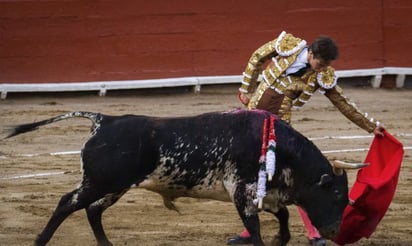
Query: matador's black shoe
[[238, 240]]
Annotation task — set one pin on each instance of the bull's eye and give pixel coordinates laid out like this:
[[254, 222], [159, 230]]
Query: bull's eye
[[338, 195]]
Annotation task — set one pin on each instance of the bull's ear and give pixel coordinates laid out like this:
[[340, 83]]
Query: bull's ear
[[324, 179]]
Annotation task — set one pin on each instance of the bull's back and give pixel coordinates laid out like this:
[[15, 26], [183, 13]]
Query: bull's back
[[188, 154]]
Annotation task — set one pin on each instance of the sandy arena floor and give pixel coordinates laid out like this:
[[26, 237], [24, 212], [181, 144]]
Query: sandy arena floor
[[140, 218]]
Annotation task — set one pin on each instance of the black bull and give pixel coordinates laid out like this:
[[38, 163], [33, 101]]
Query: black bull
[[213, 156]]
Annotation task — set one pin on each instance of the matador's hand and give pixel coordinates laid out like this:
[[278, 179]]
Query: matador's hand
[[378, 131], [243, 98]]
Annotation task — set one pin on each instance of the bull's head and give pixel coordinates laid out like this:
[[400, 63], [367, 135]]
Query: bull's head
[[333, 189]]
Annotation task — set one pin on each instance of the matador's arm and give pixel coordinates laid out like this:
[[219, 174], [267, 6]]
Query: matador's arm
[[350, 110], [254, 66]]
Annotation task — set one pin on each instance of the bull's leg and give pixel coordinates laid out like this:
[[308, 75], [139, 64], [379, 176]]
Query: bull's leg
[[63, 210], [283, 236], [79, 198], [248, 213], [94, 215]]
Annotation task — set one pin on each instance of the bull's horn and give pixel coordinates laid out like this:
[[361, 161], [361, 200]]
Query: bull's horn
[[338, 166], [347, 165]]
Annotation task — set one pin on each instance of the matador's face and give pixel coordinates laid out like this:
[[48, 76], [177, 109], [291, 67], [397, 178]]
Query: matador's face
[[317, 64]]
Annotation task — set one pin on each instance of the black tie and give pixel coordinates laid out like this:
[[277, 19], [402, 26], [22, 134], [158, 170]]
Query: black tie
[[301, 71]]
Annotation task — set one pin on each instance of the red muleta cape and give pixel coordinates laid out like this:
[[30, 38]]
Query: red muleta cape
[[372, 191]]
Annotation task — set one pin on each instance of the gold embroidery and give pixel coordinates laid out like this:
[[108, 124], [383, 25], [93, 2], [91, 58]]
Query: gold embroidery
[[349, 109], [288, 44], [327, 79], [254, 100]]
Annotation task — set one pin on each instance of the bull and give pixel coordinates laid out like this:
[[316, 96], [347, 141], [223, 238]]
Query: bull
[[212, 156]]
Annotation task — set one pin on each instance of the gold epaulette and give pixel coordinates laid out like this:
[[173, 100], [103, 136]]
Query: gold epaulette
[[288, 48], [327, 79], [324, 80], [286, 44]]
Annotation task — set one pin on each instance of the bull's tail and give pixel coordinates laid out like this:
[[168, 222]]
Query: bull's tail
[[19, 129]]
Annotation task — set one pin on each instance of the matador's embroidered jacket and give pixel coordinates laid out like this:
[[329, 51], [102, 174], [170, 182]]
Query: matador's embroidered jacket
[[283, 52]]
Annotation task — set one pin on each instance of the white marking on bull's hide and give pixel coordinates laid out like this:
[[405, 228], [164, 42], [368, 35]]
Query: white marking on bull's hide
[[75, 199], [286, 176], [164, 160], [80, 188], [250, 208], [104, 202], [212, 185], [96, 118], [81, 163], [230, 187], [171, 180], [229, 179]]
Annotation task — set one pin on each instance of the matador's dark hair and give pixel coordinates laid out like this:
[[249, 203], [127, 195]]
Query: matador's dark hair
[[324, 48]]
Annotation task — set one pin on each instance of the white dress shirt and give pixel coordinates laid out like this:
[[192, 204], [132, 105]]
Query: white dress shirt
[[301, 62]]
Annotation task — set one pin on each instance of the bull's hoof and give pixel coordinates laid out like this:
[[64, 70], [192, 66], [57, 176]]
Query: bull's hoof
[[238, 240], [317, 242], [38, 241], [105, 244], [280, 240]]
